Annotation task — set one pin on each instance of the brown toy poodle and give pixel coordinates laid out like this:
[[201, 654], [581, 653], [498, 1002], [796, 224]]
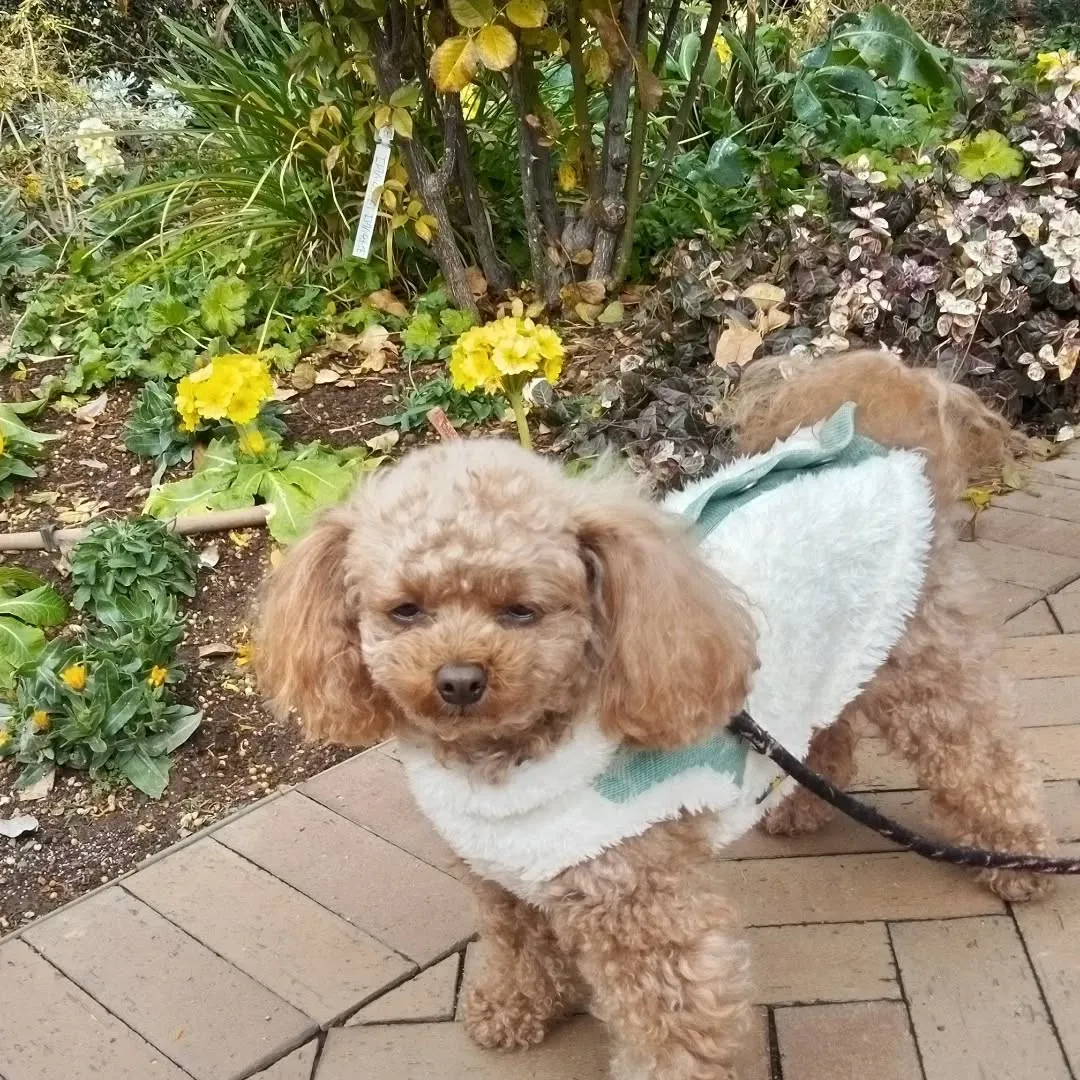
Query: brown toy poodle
[[559, 657]]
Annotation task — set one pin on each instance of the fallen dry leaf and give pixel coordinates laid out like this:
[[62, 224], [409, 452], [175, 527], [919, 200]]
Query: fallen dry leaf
[[303, 376], [737, 345], [89, 412], [210, 555], [477, 282], [241, 539], [38, 790], [381, 444], [385, 300], [764, 294], [588, 312], [215, 648], [284, 393], [613, 313], [326, 375], [17, 826], [771, 319], [93, 463]]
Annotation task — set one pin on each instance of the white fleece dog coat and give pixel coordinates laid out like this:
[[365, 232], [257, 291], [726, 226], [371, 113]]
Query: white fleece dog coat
[[826, 536]]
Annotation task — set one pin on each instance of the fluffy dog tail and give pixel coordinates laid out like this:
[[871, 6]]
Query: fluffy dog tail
[[912, 408]]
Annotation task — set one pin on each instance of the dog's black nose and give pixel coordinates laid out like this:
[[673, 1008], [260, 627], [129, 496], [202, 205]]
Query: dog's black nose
[[461, 684]]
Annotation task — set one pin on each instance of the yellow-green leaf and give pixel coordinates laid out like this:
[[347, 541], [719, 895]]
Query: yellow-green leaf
[[528, 14], [472, 13], [496, 47], [453, 65], [405, 97], [597, 65], [423, 230], [382, 116], [402, 123], [613, 313]]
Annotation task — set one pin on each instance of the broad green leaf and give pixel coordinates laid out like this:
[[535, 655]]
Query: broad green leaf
[[472, 14], [886, 42], [11, 427], [19, 643], [33, 773], [166, 314], [15, 577], [149, 774], [195, 495], [223, 305], [834, 91], [185, 722], [42, 606], [405, 97], [496, 47], [988, 154], [528, 14], [453, 65], [324, 479], [291, 509], [122, 710]]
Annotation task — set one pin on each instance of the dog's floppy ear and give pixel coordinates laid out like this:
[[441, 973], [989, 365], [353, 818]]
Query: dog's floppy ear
[[678, 647], [307, 648]]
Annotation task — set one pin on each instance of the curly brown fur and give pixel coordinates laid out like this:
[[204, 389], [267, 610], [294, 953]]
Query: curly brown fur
[[529, 981], [632, 626]]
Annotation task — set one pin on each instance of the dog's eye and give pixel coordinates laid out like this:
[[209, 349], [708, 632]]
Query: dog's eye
[[406, 613], [519, 614]]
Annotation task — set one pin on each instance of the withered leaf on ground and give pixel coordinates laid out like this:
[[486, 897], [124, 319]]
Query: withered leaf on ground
[[737, 345]]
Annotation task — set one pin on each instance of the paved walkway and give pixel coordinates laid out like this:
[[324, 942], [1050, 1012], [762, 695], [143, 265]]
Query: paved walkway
[[323, 934]]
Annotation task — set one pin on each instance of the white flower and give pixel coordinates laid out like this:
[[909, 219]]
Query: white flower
[[96, 147], [992, 255]]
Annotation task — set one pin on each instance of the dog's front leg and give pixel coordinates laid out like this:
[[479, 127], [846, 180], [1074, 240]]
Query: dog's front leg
[[657, 945], [528, 981]]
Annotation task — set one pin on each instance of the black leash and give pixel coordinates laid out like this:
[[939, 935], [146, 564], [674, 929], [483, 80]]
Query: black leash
[[744, 726]]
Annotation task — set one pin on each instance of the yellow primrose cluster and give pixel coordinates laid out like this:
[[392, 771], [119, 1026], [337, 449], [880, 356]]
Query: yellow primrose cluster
[[233, 387], [485, 355]]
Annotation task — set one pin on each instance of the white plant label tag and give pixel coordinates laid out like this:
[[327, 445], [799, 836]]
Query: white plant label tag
[[380, 160]]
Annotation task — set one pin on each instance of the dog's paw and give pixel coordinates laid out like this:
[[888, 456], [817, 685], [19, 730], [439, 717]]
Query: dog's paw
[[798, 815], [1017, 886], [509, 1022]]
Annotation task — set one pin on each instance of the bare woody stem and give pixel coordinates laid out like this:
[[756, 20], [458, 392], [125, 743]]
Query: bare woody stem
[[665, 38], [547, 281], [431, 184], [611, 211], [693, 87], [582, 123], [495, 270], [632, 186]]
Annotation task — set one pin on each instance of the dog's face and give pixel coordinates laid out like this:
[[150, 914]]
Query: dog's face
[[474, 594], [478, 616]]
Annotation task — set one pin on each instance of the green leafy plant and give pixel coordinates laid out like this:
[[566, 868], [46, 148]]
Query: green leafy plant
[[19, 444], [223, 305], [131, 560], [463, 409], [294, 483], [21, 254], [988, 153], [153, 431], [97, 706], [27, 605]]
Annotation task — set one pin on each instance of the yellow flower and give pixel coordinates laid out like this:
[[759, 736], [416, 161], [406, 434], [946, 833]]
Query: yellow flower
[[157, 675], [252, 441], [484, 356], [721, 49], [74, 677], [244, 652], [5, 738], [3, 445], [233, 387], [32, 187], [40, 720]]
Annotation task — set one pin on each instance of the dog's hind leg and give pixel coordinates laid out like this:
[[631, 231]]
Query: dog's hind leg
[[657, 944], [528, 981], [941, 703], [832, 755]]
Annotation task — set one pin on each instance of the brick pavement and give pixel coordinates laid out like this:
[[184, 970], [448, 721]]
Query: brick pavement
[[324, 934]]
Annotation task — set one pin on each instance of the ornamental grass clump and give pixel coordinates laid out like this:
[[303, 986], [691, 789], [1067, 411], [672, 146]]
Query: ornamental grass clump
[[502, 356]]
